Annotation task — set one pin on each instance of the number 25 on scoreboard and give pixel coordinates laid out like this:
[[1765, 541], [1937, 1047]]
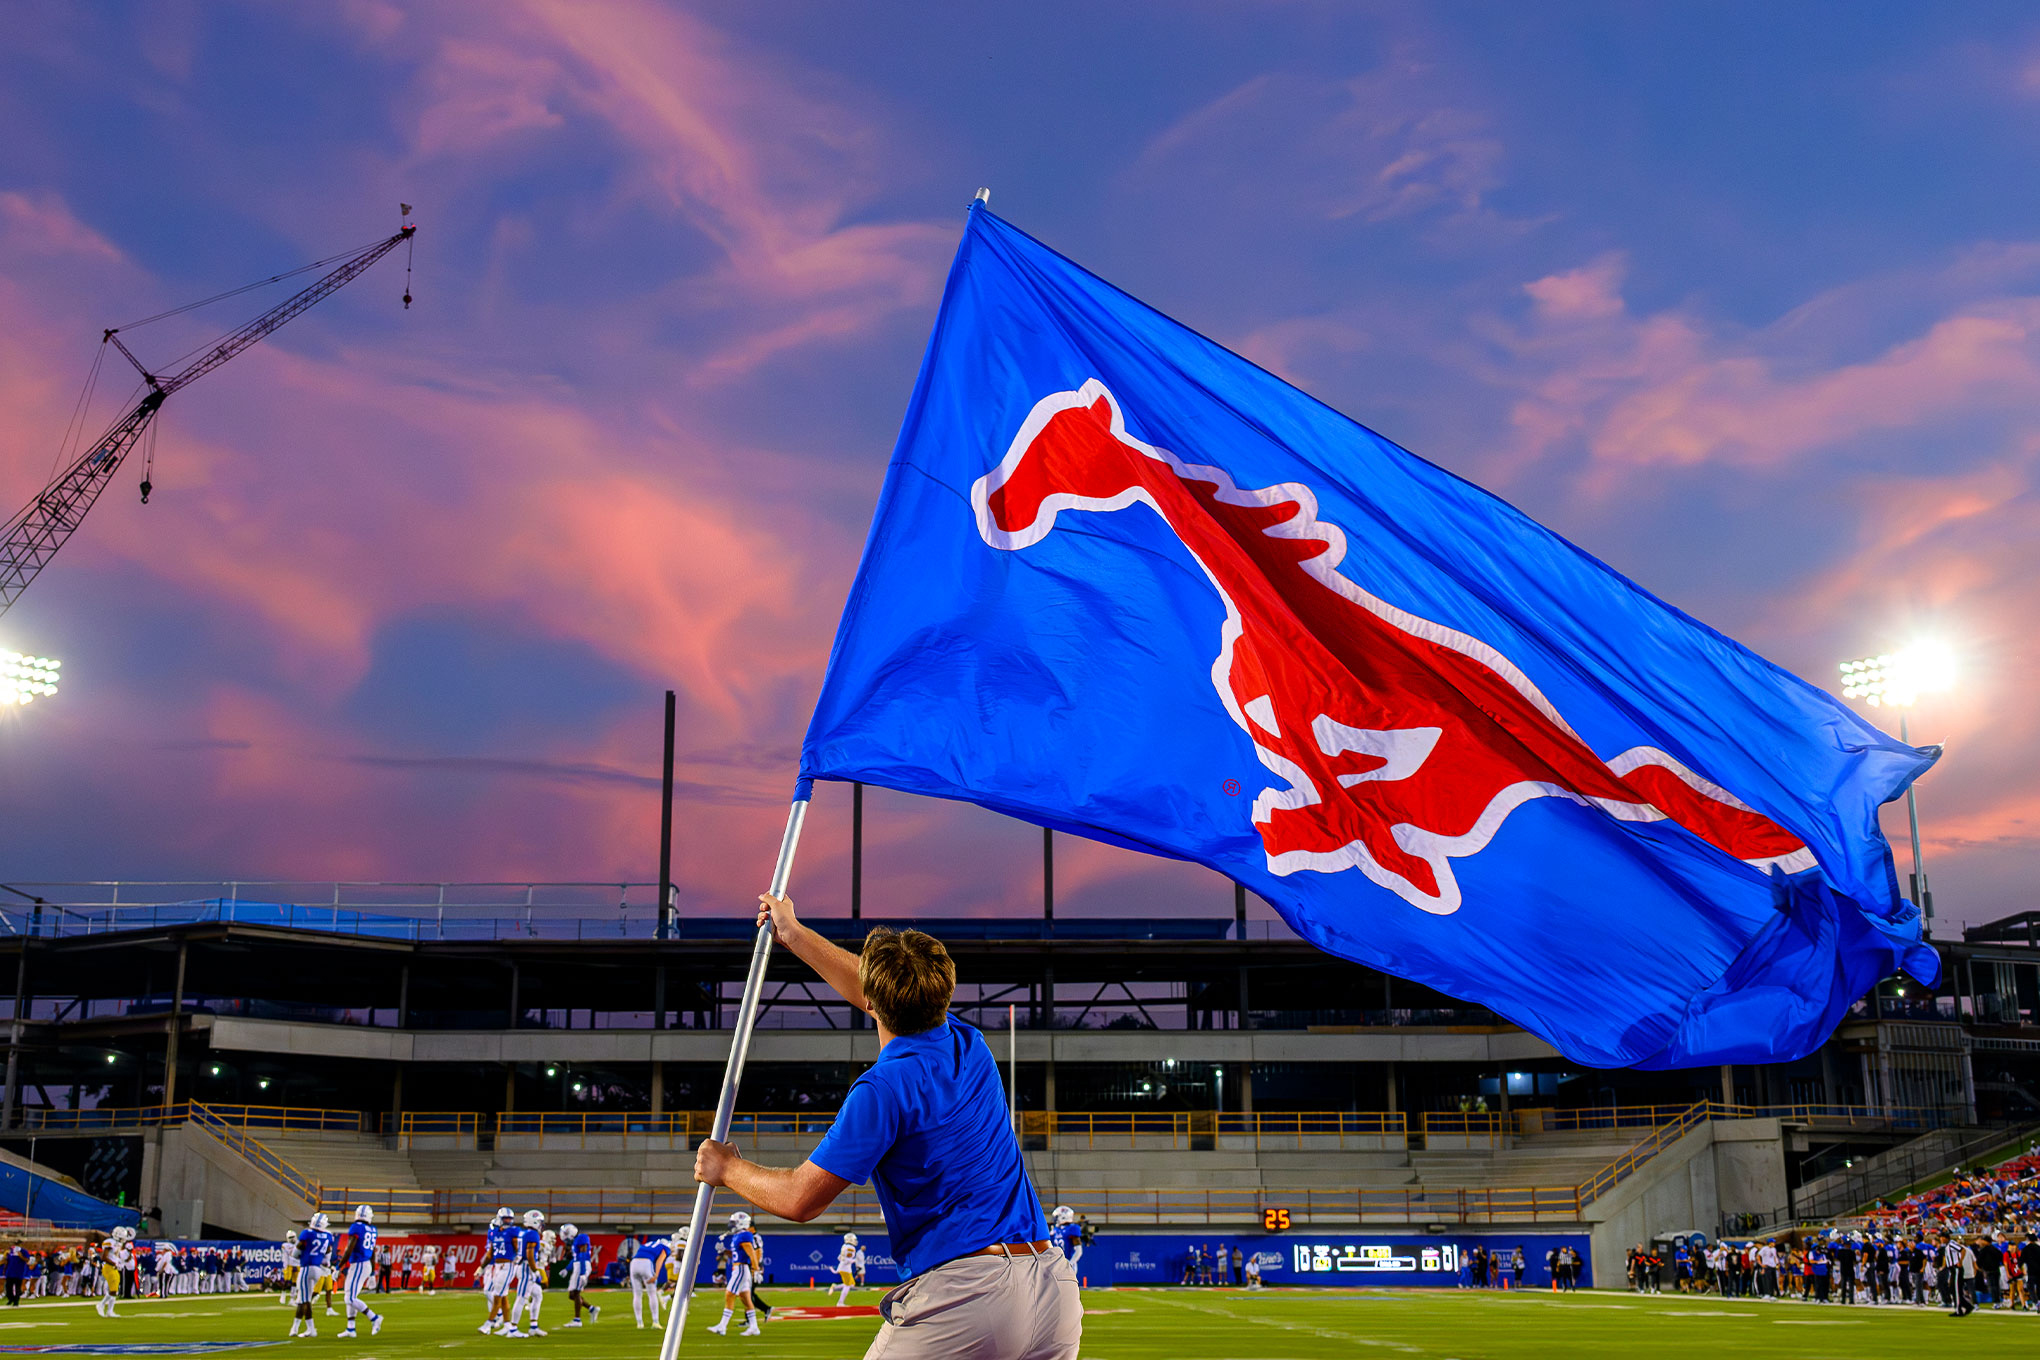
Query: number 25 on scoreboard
[[1274, 1220]]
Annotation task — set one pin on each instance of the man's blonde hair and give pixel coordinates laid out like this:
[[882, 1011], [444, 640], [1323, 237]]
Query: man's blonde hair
[[908, 977]]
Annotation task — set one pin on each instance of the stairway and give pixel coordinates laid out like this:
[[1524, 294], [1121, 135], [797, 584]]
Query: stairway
[[346, 1163]]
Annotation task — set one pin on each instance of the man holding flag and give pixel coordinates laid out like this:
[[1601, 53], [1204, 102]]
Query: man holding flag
[[1125, 584], [928, 1126]]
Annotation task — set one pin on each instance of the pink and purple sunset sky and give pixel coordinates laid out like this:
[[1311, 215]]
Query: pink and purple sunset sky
[[1743, 298]]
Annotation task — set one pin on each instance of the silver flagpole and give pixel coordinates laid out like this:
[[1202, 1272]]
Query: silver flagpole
[[725, 1108]]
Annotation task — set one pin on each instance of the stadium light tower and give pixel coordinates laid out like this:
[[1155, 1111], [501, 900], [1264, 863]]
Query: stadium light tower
[[24, 679], [1897, 680]]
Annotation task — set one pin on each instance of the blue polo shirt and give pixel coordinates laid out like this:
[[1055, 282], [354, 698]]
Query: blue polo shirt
[[927, 1125]]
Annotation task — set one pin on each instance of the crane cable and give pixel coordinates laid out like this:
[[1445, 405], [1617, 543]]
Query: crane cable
[[247, 287], [74, 428]]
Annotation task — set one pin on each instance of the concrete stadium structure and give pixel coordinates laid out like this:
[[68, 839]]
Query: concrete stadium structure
[[230, 1063]]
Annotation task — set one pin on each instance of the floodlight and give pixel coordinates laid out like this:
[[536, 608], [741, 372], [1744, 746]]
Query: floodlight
[[1900, 678], [25, 678]]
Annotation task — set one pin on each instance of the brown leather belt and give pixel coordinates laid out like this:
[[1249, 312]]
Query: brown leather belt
[[1011, 1249]]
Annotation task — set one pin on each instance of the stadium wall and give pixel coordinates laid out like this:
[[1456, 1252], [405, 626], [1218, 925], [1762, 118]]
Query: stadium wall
[[202, 1183], [1721, 1167]]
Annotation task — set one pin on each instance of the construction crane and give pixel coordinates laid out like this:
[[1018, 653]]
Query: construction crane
[[33, 535]]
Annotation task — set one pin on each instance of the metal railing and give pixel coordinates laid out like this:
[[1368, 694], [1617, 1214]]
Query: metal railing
[[459, 1125], [256, 1153], [1884, 1176], [35, 1119], [472, 912], [1659, 1138], [1549, 1119], [1201, 1129], [291, 1117]]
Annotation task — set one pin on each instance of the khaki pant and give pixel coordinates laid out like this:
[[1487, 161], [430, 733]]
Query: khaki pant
[[984, 1308]]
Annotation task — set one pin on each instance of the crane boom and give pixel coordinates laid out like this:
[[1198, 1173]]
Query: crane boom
[[31, 538]]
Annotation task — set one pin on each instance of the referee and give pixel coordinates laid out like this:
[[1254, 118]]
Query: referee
[[927, 1125]]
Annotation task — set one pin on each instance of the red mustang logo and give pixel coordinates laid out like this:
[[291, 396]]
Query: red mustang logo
[[1399, 744]]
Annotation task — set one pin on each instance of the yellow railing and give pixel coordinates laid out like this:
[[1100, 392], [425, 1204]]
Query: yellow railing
[[287, 1117], [1200, 1128], [459, 1125], [256, 1152], [1114, 1129], [34, 1119], [292, 1118]]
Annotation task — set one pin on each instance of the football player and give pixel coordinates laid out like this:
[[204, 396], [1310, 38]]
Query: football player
[[500, 1253], [1067, 1234], [645, 1265], [314, 1247], [358, 1260], [580, 1249], [114, 1256], [527, 1275], [746, 1260], [846, 1268]]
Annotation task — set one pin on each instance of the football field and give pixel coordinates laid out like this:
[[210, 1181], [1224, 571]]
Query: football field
[[1126, 1324]]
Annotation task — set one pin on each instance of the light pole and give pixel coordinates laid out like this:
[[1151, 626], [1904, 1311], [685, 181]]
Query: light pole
[[1897, 680]]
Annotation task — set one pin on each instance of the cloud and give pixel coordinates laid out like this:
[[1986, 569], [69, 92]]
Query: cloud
[[1741, 408], [1390, 143], [754, 157], [41, 223], [482, 94]]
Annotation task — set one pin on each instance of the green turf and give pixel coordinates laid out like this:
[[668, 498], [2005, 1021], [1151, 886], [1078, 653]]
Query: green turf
[[1130, 1324]]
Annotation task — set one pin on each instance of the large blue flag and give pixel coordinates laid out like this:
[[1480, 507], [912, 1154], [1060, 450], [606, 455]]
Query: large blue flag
[[1125, 584]]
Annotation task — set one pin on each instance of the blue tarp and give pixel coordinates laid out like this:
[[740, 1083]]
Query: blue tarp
[[40, 1197]]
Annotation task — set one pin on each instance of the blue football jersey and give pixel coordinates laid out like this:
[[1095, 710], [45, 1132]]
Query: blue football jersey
[[363, 1237], [1068, 1237], [654, 1250], [311, 1246], [584, 1248]]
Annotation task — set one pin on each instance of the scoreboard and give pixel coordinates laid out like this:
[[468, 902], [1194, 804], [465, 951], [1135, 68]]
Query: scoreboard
[[1351, 1257]]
